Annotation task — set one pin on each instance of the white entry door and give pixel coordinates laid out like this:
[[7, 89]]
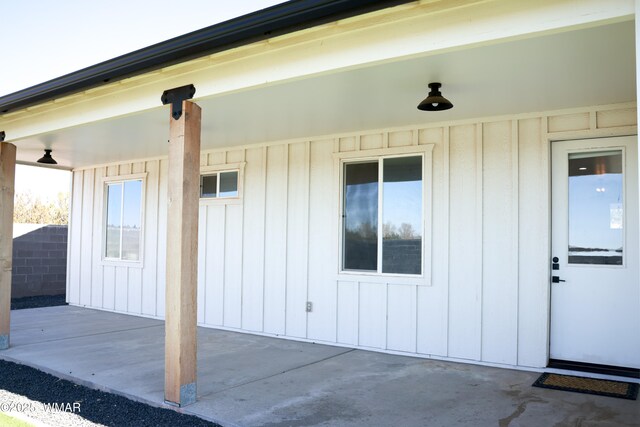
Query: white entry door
[[595, 303]]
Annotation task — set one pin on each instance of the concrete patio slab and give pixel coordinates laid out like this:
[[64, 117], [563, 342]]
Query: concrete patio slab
[[249, 380]]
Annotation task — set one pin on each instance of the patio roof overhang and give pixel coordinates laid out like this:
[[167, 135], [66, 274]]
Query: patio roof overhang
[[367, 71]]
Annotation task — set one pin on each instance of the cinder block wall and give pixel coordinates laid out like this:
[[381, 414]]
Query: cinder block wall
[[40, 262]]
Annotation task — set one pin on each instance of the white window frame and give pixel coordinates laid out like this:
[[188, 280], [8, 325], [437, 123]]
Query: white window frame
[[426, 151], [218, 169], [106, 181]]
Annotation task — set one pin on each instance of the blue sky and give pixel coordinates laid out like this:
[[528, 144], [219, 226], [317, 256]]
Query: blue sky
[[46, 39], [43, 40]]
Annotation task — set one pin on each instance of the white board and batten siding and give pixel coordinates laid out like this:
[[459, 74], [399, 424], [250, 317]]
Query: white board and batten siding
[[264, 256]]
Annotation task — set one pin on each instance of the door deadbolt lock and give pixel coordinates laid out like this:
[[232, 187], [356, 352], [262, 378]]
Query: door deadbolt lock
[[556, 279]]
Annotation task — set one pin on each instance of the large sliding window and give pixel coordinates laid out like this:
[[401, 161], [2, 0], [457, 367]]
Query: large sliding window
[[383, 215], [123, 234]]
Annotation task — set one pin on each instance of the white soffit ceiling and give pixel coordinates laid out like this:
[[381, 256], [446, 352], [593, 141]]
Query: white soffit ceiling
[[578, 68]]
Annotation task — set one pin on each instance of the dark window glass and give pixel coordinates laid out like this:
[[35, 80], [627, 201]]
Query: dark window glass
[[229, 184], [360, 244], [209, 186]]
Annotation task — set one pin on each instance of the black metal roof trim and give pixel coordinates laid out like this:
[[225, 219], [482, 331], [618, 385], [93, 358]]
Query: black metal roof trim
[[274, 21]]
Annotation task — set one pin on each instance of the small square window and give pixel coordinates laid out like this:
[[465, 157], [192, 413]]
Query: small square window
[[219, 185]]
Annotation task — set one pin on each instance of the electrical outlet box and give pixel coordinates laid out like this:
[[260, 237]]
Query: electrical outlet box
[[309, 306]]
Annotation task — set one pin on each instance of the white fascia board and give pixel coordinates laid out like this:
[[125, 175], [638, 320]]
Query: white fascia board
[[399, 33]]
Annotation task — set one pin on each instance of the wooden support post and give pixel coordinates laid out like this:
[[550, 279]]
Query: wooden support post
[[7, 180], [182, 256]]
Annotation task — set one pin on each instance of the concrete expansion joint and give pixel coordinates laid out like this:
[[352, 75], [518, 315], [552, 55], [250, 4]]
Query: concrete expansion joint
[[90, 335], [283, 372]]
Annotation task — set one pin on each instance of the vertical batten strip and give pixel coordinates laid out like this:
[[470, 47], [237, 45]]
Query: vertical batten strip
[[593, 120], [386, 316], [242, 249], [337, 333], [480, 226], [265, 165], [93, 239], [224, 259], [159, 171], [415, 135], [69, 241], [204, 268], [447, 228], [416, 307], [115, 282], [515, 223], [307, 160], [546, 174], [143, 214], [286, 235], [358, 315], [81, 221], [102, 240]]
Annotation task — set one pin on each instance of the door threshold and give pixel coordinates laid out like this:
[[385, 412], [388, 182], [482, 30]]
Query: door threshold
[[617, 371]]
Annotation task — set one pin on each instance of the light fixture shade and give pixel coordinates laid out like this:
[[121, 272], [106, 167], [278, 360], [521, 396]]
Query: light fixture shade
[[47, 159], [435, 101]]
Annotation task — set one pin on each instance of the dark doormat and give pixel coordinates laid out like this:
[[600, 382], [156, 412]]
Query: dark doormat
[[621, 389]]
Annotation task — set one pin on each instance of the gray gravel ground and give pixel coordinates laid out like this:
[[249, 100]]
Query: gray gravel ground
[[38, 301], [30, 395]]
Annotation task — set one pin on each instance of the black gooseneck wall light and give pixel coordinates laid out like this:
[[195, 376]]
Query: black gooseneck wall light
[[435, 101]]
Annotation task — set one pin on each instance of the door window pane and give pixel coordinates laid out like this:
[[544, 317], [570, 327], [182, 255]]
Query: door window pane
[[114, 220], [360, 244], [402, 215], [596, 217]]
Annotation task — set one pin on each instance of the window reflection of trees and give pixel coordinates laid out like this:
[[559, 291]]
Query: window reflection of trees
[[404, 232]]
